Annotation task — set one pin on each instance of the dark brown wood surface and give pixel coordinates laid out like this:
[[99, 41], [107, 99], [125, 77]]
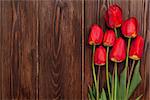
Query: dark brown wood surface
[[18, 50], [44, 53], [60, 50]]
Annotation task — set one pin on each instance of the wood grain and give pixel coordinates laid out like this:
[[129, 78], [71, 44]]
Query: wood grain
[[18, 47], [60, 50], [26, 17], [44, 47], [0, 49], [6, 50]]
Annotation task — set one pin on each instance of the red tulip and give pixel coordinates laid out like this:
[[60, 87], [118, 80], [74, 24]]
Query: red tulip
[[118, 52], [136, 48], [109, 38], [100, 56], [130, 27], [96, 35], [113, 16]]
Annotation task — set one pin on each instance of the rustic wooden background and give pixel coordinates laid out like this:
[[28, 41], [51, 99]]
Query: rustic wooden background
[[44, 52]]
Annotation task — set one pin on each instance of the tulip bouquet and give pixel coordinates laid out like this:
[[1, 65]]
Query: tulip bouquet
[[111, 46]]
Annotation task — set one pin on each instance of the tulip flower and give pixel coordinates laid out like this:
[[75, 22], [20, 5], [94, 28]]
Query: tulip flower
[[135, 53], [109, 38], [130, 28], [118, 52], [95, 38], [99, 59], [136, 48], [113, 16], [100, 56], [96, 35]]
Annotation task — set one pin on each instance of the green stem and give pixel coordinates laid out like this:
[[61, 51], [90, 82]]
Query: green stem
[[116, 32], [129, 40], [127, 58], [98, 76], [112, 87], [107, 77], [129, 80], [126, 64], [115, 94], [93, 69]]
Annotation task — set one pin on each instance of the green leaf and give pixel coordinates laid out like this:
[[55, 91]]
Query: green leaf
[[112, 86], [118, 90], [136, 79], [91, 96], [110, 77], [103, 95], [118, 86], [139, 97], [94, 90], [116, 80], [123, 84], [100, 95]]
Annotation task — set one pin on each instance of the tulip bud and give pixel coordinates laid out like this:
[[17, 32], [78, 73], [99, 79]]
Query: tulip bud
[[96, 35], [136, 48], [109, 38], [118, 52], [100, 56], [130, 28], [113, 16]]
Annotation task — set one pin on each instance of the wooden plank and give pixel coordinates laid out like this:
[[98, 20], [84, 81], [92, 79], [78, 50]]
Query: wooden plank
[[83, 48], [60, 50], [19, 30], [90, 17], [146, 62], [0, 49], [28, 31], [6, 49]]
